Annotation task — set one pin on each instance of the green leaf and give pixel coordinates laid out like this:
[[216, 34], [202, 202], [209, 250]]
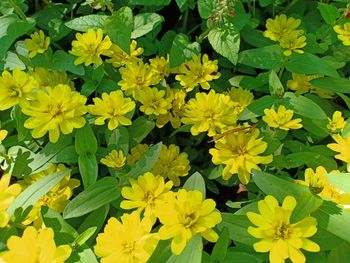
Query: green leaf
[[275, 85], [205, 8], [340, 254], [162, 252], [85, 140], [326, 240], [192, 252], [83, 23], [139, 129], [83, 237], [96, 195], [195, 182], [62, 61], [241, 257], [150, 2], [21, 166], [145, 23], [269, 57], [340, 180], [256, 108], [340, 85], [88, 168], [182, 50], [220, 249], [328, 12], [119, 139]]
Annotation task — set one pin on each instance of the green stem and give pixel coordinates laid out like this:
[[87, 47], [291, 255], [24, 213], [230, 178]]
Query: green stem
[[18, 10], [202, 36], [185, 21], [289, 6]]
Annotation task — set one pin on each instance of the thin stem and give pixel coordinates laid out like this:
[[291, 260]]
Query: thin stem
[[289, 6], [202, 36], [18, 10], [185, 21]]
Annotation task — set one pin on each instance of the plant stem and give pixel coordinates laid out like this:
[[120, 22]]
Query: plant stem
[[18, 10], [185, 21], [202, 36], [289, 6]]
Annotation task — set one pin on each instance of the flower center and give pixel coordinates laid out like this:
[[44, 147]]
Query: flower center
[[282, 232], [14, 91], [148, 197], [128, 247], [139, 80], [190, 219], [55, 110], [240, 150]]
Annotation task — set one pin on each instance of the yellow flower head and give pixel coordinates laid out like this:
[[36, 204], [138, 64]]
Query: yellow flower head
[[240, 154], [315, 180], [293, 42], [278, 235], [112, 107], [118, 57], [342, 146], [35, 246], [280, 26], [160, 66], [14, 88], [210, 112], [3, 135], [185, 215], [90, 46], [115, 159], [337, 122], [126, 241], [136, 76], [38, 43], [330, 192], [241, 98], [45, 77], [145, 193], [343, 33], [282, 119], [172, 164], [136, 153], [198, 71], [53, 110], [8, 194], [153, 101]]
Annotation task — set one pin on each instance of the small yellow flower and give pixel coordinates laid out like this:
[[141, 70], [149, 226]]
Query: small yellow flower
[[38, 43], [343, 32], [54, 110], [337, 122], [35, 246], [112, 107], [278, 235], [126, 241], [160, 66], [119, 57], [14, 88], [172, 164], [210, 112], [136, 153], [293, 42], [241, 98], [315, 180], [240, 152], [330, 192], [282, 119], [90, 46], [280, 26], [8, 194], [115, 159], [45, 77], [342, 146], [153, 101], [3, 135], [184, 215], [198, 71]]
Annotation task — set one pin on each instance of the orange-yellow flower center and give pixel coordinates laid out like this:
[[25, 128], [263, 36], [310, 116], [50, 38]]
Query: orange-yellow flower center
[[282, 232], [189, 219], [128, 247]]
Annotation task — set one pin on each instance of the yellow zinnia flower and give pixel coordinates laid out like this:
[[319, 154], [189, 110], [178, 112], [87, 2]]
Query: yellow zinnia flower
[[153, 101], [35, 246], [278, 235], [3, 134], [282, 119], [184, 215], [14, 88], [240, 153], [38, 43], [160, 66], [337, 122], [136, 153], [119, 57], [115, 159], [90, 46], [45, 77], [8, 194], [343, 32], [210, 112], [53, 110], [342, 146], [280, 26], [128, 241], [198, 71], [172, 164], [114, 107], [241, 98], [293, 42]]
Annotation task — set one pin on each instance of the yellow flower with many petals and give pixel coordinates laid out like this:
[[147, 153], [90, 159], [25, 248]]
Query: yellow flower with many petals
[[153, 101], [212, 112], [342, 146], [128, 241], [240, 152], [45, 77], [54, 110], [38, 43], [136, 153], [118, 57], [172, 164], [160, 66], [35, 247], [115, 159], [198, 71], [145, 193], [8, 193], [293, 42], [278, 235], [185, 215], [282, 119], [14, 88], [112, 107], [90, 46], [280, 26], [3, 135], [343, 32], [241, 98], [337, 122]]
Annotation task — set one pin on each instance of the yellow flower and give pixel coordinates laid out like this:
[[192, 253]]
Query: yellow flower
[[342, 146], [280, 26], [128, 241], [45, 77], [90, 46], [240, 154], [241, 98], [293, 42], [278, 235], [337, 122], [35, 247], [136, 153], [185, 215], [119, 57], [3, 134], [210, 112], [54, 110], [8, 194], [115, 159], [38, 43], [343, 33], [172, 164], [114, 107], [315, 180], [153, 101], [136, 76], [14, 88], [198, 71], [332, 193], [282, 119], [160, 66], [145, 193]]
